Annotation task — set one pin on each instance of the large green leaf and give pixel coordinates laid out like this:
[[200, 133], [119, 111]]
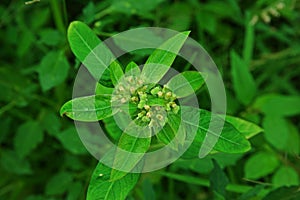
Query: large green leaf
[[89, 49], [89, 108], [229, 141], [162, 58], [131, 150], [243, 82], [185, 83], [248, 129], [101, 187]]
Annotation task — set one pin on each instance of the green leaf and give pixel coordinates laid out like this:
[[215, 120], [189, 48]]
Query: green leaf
[[59, 183], [112, 128], [276, 131], [89, 12], [89, 49], [101, 187], [285, 105], [229, 141], [130, 150], [285, 176], [101, 89], [162, 58], [248, 129], [75, 190], [251, 194], [249, 39], [11, 162], [51, 122], [71, 141], [53, 70], [116, 72], [89, 108], [133, 69], [130, 7], [218, 180], [148, 190], [169, 132], [260, 165], [28, 136], [243, 82], [185, 83], [51, 37], [284, 193]]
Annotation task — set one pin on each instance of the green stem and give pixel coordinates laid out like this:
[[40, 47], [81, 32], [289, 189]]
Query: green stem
[[104, 12], [57, 14], [7, 107], [204, 182]]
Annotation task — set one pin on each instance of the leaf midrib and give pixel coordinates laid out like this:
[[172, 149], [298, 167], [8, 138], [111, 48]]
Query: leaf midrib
[[88, 46]]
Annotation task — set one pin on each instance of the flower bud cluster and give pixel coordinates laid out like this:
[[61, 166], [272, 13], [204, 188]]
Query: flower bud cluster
[[152, 100], [126, 88]]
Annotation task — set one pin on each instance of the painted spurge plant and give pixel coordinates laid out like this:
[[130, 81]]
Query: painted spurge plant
[[148, 114]]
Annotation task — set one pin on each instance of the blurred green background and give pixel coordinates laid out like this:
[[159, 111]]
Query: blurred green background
[[255, 44]]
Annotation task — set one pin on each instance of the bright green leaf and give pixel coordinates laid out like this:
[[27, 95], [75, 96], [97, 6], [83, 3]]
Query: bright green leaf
[[89, 108], [260, 165], [243, 82], [229, 141], [133, 69], [248, 129], [101, 187], [89, 49], [100, 89], [28, 136], [162, 58], [185, 83], [131, 150], [116, 72], [168, 133]]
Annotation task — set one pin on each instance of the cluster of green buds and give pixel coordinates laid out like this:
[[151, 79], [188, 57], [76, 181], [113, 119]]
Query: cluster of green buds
[[152, 101], [126, 88]]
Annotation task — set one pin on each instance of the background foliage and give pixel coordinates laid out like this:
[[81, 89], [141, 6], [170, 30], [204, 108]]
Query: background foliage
[[255, 45]]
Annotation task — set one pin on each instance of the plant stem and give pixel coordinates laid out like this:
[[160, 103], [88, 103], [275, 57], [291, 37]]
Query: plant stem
[[58, 19], [204, 182]]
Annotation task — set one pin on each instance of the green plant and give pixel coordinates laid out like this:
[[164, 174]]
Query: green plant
[[155, 115]]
